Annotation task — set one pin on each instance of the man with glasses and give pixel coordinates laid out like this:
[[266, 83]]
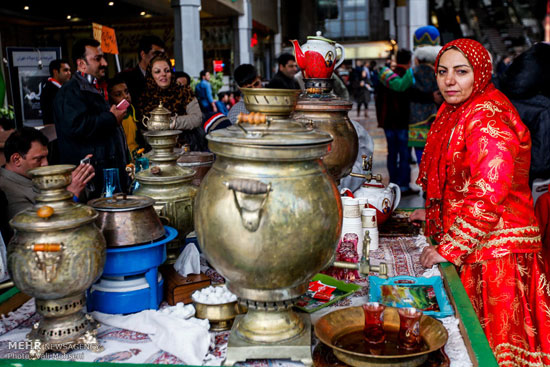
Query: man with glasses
[[149, 47], [245, 76], [85, 123]]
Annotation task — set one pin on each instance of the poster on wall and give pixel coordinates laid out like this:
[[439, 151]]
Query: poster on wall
[[28, 73]]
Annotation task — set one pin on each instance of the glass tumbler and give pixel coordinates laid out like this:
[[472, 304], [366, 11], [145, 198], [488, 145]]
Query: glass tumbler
[[409, 328], [111, 183], [374, 322]]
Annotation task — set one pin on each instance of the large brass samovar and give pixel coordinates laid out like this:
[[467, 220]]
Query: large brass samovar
[[57, 252], [167, 183], [329, 113], [268, 217]]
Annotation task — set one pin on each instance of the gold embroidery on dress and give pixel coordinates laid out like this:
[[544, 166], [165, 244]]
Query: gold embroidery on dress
[[484, 187], [479, 212], [455, 204], [500, 241], [483, 142], [495, 132], [448, 238], [464, 235], [494, 165], [465, 185], [518, 354], [502, 146], [519, 230], [489, 106], [467, 225]]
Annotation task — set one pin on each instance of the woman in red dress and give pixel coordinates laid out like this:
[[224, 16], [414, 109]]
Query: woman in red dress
[[479, 208]]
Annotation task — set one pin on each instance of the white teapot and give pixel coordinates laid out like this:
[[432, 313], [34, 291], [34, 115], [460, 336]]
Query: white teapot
[[384, 199]]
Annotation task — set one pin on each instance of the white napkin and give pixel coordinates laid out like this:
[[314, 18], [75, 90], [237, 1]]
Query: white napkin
[[187, 339], [189, 261], [3, 261]]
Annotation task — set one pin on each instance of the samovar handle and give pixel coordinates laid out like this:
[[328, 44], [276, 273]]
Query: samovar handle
[[145, 119], [250, 202]]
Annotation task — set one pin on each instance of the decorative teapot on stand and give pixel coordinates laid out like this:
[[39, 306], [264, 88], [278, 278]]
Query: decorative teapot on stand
[[317, 57], [159, 119], [384, 199]]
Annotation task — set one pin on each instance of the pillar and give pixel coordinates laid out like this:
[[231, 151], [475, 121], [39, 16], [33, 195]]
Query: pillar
[[187, 36], [244, 33]]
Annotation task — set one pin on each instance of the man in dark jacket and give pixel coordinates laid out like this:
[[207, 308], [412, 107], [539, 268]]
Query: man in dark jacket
[[85, 123], [392, 111], [284, 79], [149, 47], [60, 73]]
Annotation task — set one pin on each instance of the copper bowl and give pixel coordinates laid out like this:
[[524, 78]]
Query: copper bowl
[[127, 220], [334, 325]]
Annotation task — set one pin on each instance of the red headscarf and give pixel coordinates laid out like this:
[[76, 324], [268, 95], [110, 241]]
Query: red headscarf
[[433, 173]]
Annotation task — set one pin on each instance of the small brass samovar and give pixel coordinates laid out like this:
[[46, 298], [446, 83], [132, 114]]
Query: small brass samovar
[[57, 252], [329, 113], [167, 183]]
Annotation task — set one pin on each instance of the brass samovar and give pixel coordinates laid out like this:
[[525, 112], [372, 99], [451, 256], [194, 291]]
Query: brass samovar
[[57, 252], [167, 183], [326, 112], [268, 218]]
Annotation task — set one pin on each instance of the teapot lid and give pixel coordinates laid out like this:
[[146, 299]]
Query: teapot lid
[[160, 110], [319, 37]]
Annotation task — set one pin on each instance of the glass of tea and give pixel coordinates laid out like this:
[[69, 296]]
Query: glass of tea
[[374, 322], [409, 328]]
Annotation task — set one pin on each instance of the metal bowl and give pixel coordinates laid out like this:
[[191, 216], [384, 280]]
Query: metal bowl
[[272, 102], [221, 316], [348, 320]]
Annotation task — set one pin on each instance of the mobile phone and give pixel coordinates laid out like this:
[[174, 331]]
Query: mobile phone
[[85, 160], [124, 104]]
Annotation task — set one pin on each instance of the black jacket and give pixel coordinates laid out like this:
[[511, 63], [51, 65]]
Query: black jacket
[[46, 102], [84, 125], [526, 83], [281, 81], [393, 108]]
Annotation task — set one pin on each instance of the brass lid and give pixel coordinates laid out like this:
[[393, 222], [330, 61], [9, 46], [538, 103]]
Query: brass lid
[[160, 110], [121, 203], [280, 132], [165, 174], [54, 208]]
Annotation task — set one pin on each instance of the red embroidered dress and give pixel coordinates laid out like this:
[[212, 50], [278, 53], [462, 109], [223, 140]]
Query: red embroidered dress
[[479, 208]]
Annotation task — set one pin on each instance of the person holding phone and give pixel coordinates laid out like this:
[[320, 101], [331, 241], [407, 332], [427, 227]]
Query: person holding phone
[[120, 96], [86, 123], [26, 149]]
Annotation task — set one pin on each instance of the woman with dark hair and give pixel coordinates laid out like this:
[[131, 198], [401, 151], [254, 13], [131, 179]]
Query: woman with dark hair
[[161, 86], [479, 206]]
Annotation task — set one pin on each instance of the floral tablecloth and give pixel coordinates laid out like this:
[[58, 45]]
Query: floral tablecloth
[[400, 253]]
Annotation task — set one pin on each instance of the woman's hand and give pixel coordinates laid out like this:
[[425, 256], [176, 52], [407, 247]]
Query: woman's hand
[[430, 257], [81, 175], [417, 217]]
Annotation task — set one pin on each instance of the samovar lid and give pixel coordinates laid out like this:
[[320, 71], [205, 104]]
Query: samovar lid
[[121, 203], [277, 132], [165, 174], [160, 110], [196, 157]]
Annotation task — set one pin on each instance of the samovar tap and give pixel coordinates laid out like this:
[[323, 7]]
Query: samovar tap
[[364, 266]]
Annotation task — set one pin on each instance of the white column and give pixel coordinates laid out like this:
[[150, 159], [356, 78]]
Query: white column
[[244, 33], [418, 17], [278, 39], [402, 26], [187, 36], [389, 16]]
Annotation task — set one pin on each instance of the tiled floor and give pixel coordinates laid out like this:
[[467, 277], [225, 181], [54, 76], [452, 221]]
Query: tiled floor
[[380, 153]]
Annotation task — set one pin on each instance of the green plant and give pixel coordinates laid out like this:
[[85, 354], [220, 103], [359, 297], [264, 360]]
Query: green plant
[[216, 82], [7, 113]]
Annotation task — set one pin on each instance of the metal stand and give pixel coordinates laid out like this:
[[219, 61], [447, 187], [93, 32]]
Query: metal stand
[[295, 349]]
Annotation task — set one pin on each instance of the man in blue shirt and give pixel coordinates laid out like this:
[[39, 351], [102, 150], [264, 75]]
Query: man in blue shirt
[[203, 91]]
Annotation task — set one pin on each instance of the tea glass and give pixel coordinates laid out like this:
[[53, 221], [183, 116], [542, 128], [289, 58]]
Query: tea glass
[[409, 328], [374, 322]]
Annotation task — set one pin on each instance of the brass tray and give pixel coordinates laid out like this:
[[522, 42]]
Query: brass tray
[[332, 326]]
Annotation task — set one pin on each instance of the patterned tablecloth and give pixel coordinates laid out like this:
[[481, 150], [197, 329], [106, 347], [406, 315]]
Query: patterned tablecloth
[[400, 253]]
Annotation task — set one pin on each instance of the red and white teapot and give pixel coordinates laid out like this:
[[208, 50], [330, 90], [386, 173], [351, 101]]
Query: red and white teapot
[[318, 56], [384, 199]]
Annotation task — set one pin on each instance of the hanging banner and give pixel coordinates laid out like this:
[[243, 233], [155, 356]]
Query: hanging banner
[[106, 36]]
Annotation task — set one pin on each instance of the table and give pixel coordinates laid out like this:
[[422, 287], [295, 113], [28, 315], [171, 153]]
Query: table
[[400, 252]]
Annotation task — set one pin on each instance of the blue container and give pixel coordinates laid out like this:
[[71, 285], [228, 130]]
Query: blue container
[[130, 260]]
